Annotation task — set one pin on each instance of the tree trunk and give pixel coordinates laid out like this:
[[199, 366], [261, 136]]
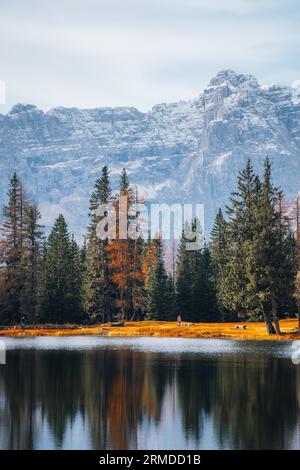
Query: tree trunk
[[268, 321], [133, 316], [269, 327], [277, 327], [274, 315]]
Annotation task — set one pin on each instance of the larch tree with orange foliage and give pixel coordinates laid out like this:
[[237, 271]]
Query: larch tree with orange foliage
[[125, 256]]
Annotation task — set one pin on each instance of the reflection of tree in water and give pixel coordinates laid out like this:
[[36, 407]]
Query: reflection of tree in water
[[158, 375], [255, 401], [137, 390], [195, 384], [112, 390], [17, 397], [40, 386], [60, 390], [252, 401]]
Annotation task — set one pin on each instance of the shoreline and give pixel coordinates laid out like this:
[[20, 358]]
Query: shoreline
[[159, 329]]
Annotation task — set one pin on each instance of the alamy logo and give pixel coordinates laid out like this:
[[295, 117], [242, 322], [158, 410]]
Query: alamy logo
[[2, 352], [126, 220]]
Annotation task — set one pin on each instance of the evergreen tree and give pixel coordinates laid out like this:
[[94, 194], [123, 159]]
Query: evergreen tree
[[170, 298], [124, 183], [259, 252], [237, 294], [60, 287], [21, 236], [32, 237], [195, 283], [94, 292], [98, 295], [203, 292], [187, 270], [12, 232], [184, 278], [243, 203], [83, 251], [218, 247], [138, 280], [101, 195], [218, 241], [274, 253], [75, 270], [158, 288]]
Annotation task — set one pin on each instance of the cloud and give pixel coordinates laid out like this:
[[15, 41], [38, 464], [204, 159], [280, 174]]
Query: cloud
[[132, 52]]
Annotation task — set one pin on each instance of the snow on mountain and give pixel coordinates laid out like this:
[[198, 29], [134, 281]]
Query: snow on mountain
[[177, 152]]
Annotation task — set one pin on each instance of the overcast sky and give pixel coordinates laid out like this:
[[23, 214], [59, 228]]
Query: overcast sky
[[90, 53]]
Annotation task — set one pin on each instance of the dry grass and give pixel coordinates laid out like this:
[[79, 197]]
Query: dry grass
[[167, 329]]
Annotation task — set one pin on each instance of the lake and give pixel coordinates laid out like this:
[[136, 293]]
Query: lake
[[148, 393]]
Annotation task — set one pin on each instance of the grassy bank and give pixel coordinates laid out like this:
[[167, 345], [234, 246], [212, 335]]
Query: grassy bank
[[165, 329]]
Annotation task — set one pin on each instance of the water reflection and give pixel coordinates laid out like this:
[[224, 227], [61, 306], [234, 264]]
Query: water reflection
[[119, 399]]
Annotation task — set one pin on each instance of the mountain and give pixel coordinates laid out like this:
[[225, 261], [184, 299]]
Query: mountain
[[189, 151]]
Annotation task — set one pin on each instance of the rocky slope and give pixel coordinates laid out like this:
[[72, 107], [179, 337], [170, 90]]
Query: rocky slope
[[177, 152]]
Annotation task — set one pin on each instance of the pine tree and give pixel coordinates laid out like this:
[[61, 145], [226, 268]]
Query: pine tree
[[138, 280], [75, 273], [94, 292], [218, 240], [12, 233], [259, 251], [32, 238], [101, 195], [148, 263], [125, 188], [237, 294], [170, 298], [203, 291], [195, 283], [218, 248], [184, 277], [274, 252], [60, 285], [83, 251], [243, 203], [98, 294], [158, 289]]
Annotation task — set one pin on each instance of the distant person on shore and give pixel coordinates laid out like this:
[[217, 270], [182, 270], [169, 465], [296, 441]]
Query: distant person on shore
[[179, 321]]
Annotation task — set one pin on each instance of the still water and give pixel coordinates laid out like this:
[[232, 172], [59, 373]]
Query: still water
[[148, 393]]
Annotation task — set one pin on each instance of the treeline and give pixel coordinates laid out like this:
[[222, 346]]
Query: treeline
[[246, 271], [53, 280]]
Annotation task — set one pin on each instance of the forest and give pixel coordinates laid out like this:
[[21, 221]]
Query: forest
[[248, 269]]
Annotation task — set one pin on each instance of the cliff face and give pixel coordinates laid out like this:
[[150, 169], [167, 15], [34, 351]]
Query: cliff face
[[178, 152]]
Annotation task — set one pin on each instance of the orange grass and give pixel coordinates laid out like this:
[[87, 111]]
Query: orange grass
[[167, 329]]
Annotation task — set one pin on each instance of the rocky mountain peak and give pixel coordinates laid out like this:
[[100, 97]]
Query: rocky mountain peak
[[189, 151], [22, 108], [231, 78]]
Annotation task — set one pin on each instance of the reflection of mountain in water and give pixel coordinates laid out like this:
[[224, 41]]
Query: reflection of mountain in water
[[125, 399]]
